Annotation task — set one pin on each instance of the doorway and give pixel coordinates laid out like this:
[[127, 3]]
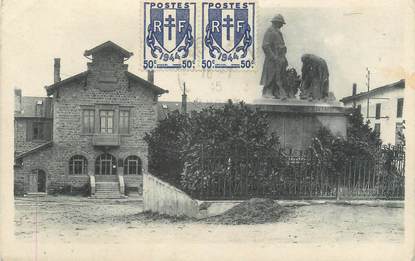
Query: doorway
[[37, 181]]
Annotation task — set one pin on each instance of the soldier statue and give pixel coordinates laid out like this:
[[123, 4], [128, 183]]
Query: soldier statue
[[275, 64], [314, 78]]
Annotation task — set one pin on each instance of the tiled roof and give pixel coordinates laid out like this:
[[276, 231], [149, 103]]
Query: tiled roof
[[35, 149], [51, 88], [145, 83], [396, 85], [106, 45]]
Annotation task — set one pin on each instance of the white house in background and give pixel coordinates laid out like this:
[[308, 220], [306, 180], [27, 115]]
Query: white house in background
[[385, 112]]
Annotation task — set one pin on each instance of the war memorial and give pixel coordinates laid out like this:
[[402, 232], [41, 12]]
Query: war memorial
[[297, 106]]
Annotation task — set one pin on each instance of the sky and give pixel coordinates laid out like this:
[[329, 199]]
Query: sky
[[350, 36]]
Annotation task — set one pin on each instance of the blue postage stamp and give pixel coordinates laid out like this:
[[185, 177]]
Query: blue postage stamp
[[169, 35], [228, 33]]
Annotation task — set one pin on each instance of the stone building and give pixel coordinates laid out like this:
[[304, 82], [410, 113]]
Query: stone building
[[88, 132], [383, 107]]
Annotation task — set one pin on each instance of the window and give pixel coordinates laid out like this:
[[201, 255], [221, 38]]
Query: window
[[38, 130], [132, 165], [106, 164], [399, 134], [124, 121], [378, 110], [78, 165], [38, 108], [106, 121], [88, 119], [399, 109], [377, 128]]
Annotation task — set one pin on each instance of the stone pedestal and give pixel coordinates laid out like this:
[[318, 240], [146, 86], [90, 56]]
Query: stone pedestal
[[297, 121]]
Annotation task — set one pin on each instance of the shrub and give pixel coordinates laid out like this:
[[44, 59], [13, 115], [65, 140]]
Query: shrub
[[180, 142], [165, 145], [220, 137]]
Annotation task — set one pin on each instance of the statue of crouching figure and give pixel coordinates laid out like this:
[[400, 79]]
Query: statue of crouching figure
[[315, 78]]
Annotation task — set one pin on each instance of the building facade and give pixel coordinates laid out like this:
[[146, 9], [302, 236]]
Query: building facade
[[383, 108], [94, 130]]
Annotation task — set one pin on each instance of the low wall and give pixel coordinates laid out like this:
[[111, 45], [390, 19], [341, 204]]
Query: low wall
[[134, 181], [161, 197]]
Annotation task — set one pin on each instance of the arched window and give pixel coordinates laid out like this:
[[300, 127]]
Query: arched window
[[106, 164], [78, 165], [132, 165]]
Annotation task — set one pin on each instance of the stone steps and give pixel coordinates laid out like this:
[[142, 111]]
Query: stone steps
[[106, 178], [107, 189]]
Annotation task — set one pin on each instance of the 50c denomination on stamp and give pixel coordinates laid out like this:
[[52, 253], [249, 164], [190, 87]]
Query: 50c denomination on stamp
[[228, 33], [169, 35]]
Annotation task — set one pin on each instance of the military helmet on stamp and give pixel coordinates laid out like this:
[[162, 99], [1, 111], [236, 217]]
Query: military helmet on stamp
[[278, 18]]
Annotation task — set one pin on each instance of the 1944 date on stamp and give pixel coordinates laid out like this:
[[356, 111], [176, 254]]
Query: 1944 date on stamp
[[215, 35]]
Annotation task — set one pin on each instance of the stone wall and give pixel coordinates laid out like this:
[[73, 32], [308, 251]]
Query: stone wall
[[134, 182], [21, 144], [106, 84]]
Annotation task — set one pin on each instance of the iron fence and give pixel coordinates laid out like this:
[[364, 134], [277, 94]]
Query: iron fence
[[301, 175]]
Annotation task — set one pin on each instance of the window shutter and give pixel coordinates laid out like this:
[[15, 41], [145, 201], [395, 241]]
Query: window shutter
[[378, 107], [29, 130], [399, 110]]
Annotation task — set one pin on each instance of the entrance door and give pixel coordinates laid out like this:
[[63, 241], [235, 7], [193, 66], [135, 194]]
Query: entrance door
[[106, 164], [37, 181]]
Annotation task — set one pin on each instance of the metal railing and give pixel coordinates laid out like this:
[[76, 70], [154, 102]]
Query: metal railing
[[302, 176]]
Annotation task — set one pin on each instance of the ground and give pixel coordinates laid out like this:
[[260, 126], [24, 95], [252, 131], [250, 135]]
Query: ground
[[87, 221]]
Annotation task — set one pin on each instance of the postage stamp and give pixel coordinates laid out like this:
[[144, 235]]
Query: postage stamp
[[228, 34], [169, 35]]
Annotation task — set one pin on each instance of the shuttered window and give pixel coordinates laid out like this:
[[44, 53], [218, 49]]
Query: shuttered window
[[377, 128], [124, 122], [378, 106], [88, 118], [399, 109], [106, 121]]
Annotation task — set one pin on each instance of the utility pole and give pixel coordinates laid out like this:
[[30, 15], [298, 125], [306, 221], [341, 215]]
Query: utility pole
[[368, 89], [184, 99]]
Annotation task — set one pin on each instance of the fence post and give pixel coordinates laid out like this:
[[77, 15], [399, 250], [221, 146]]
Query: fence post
[[337, 185]]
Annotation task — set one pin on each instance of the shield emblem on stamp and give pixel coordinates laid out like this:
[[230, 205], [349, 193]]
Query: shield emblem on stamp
[[228, 32], [228, 27], [169, 27], [169, 35]]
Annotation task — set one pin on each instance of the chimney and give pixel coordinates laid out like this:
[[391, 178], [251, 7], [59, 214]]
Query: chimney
[[57, 70], [354, 92], [184, 100], [18, 100], [150, 76]]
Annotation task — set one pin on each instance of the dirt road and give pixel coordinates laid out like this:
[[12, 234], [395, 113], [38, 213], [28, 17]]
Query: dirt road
[[85, 221]]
